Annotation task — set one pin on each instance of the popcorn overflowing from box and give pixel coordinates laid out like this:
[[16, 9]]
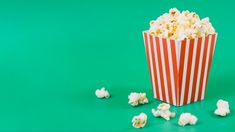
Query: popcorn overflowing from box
[[179, 49], [181, 25]]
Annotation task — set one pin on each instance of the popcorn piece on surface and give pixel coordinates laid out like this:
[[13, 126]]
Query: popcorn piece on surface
[[180, 25], [142, 98], [163, 110], [137, 98], [102, 93], [187, 118], [139, 121], [133, 99], [222, 108]]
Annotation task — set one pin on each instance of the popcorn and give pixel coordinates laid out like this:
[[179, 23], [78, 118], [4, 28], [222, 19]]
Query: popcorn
[[137, 98], [187, 118], [222, 108], [139, 121], [180, 26], [102, 93], [163, 111]]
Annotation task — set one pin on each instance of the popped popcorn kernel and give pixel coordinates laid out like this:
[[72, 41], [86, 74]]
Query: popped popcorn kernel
[[187, 118], [163, 110], [137, 98], [139, 121], [102, 93], [222, 108], [180, 25]]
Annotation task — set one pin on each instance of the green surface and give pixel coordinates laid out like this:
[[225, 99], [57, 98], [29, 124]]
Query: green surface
[[55, 54]]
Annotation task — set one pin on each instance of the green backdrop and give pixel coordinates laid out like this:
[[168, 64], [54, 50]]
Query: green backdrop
[[55, 54]]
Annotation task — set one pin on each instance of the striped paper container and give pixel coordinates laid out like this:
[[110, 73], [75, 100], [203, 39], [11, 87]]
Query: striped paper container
[[179, 69]]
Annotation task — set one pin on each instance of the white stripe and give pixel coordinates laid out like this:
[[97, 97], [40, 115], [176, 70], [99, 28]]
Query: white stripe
[[164, 70], [199, 69], [151, 66], [157, 69], [206, 68], [178, 50], [184, 73], [171, 71], [192, 70]]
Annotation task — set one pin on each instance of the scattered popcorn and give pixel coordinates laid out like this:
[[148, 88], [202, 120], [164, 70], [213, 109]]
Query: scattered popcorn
[[222, 108], [163, 111], [139, 121], [180, 25], [102, 93], [137, 98], [187, 118]]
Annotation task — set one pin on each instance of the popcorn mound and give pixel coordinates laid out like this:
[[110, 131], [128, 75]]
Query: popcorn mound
[[181, 25], [222, 108], [137, 98], [163, 110], [139, 121]]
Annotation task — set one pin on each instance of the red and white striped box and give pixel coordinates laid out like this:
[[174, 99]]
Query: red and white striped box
[[179, 69]]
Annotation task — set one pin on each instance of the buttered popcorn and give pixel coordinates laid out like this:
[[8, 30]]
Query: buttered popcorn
[[137, 98], [139, 121], [163, 110], [181, 25]]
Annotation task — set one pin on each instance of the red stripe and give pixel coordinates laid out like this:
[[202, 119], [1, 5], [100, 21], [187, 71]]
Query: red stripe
[[154, 66], [175, 71], [203, 68], [168, 75], [181, 68], [148, 59], [160, 69], [188, 70], [196, 69], [210, 59]]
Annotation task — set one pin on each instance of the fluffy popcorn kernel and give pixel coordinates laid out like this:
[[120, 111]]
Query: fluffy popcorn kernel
[[222, 108], [139, 121], [163, 110], [137, 98], [142, 98], [187, 118], [102, 93], [180, 25]]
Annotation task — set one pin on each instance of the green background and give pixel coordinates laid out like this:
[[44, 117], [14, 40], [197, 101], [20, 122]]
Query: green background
[[55, 54]]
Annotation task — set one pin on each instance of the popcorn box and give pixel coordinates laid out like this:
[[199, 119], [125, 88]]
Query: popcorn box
[[179, 69]]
